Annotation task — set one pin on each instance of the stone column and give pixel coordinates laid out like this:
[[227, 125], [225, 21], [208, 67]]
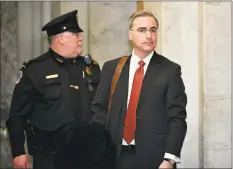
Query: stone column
[[8, 72], [217, 84], [31, 17], [180, 41], [25, 31], [46, 15], [9, 57]]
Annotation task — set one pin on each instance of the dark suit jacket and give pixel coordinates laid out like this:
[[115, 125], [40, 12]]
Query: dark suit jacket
[[161, 111]]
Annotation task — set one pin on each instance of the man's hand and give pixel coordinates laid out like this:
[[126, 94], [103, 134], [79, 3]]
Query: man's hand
[[165, 164], [21, 161]]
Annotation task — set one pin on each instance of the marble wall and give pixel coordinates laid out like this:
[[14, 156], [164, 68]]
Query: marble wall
[[108, 29], [9, 59], [9, 64], [179, 31], [217, 84]]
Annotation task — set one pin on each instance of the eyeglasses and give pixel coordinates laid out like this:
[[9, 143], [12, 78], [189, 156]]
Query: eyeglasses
[[145, 30]]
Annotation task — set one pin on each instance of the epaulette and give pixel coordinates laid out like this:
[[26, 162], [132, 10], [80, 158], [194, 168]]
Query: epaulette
[[95, 63], [26, 63]]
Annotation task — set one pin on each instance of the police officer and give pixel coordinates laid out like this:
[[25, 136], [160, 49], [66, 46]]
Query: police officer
[[52, 91]]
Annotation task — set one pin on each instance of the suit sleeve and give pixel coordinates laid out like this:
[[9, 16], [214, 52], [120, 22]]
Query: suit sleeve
[[176, 111], [18, 115], [100, 102]]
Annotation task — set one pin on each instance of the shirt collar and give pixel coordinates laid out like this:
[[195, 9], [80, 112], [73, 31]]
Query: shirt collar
[[135, 59]]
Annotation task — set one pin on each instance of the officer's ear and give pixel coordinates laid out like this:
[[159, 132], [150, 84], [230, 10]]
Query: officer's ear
[[60, 39]]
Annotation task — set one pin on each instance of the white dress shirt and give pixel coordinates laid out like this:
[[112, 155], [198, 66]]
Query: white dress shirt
[[132, 69]]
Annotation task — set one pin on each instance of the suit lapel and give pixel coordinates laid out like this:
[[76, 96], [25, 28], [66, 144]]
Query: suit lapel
[[153, 69]]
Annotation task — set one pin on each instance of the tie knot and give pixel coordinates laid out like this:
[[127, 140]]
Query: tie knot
[[141, 63]]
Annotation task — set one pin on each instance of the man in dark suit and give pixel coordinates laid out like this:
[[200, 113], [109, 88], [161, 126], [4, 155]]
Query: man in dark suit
[[148, 112]]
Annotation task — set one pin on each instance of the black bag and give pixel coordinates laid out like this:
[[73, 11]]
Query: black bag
[[89, 147]]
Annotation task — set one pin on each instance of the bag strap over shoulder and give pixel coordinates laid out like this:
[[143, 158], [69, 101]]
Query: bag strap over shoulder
[[114, 82]]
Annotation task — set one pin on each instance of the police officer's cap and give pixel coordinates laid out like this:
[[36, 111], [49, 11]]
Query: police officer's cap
[[65, 22]]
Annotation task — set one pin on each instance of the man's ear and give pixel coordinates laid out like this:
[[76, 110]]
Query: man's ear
[[60, 39], [130, 35]]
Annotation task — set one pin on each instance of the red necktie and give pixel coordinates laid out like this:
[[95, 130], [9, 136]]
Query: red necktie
[[130, 119]]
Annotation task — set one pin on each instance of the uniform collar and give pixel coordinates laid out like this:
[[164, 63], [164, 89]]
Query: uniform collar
[[62, 59]]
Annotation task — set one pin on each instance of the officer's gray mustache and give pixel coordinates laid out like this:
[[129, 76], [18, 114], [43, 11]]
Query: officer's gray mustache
[[87, 59]]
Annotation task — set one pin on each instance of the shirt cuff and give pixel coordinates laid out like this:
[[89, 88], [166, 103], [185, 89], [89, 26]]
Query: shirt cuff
[[172, 157]]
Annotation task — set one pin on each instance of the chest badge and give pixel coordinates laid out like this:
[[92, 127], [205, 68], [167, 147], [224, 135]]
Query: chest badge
[[51, 76], [88, 70]]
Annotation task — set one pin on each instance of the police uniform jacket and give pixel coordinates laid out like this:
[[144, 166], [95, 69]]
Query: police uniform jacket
[[51, 91]]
